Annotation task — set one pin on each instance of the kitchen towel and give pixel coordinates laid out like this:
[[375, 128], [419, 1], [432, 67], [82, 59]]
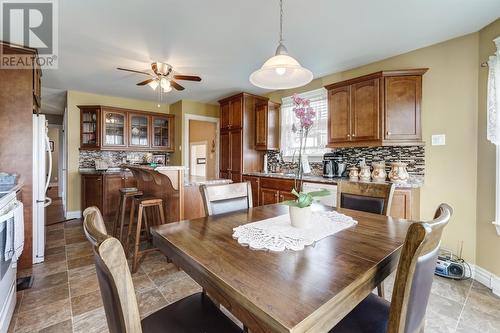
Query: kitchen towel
[[18, 229], [8, 221]]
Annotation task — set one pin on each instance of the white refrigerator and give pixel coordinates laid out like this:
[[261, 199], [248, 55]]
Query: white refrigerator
[[41, 179]]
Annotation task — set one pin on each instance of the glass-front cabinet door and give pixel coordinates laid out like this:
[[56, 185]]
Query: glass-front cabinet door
[[114, 128], [139, 130], [162, 132]]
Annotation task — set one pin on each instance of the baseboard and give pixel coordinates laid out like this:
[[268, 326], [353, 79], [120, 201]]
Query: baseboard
[[487, 278], [76, 214]]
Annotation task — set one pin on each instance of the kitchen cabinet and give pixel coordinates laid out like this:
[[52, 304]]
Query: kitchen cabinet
[[275, 190], [267, 126], [255, 182], [163, 132], [110, 128], [237, 153], [90, 127], [92, 191], [139, 130], [268, 196], [102, 191], [379, 109], [405, 204]]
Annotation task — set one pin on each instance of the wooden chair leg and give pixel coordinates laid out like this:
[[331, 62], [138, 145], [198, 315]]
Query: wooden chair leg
[[137, 241], [123, 209], [116, 222], [162, 214], [129, 231], [380, 289]]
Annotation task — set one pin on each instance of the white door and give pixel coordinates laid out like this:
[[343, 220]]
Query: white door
[[198, 163]]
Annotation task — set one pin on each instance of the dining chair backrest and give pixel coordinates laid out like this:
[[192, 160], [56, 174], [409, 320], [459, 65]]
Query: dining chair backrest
[[367, 197], [117, 288], [93, 226], [415, 273], [219, 199]]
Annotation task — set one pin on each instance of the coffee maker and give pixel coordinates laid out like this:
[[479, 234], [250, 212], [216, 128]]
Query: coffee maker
[[333, 165]]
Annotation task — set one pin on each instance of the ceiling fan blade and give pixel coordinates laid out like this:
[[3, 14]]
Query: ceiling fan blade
[[176, 86], [143, 83], [133, 71], [187, 77]]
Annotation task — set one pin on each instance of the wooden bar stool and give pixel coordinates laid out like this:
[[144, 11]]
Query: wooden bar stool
[[119, 223], [143, 206]]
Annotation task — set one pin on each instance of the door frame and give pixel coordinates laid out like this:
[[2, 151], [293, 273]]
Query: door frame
[[185, 145]]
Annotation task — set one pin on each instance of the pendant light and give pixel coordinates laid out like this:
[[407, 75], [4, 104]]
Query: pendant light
[[281, 71]]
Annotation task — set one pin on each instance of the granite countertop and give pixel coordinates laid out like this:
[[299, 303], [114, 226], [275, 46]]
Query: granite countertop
[[110, 171], [413, 182], [198, 180]]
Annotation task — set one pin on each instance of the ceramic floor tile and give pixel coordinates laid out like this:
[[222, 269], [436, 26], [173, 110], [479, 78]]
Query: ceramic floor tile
[[91, 322], [49, 268], [55, 243], [63, 327], [49, 281], [176, 290], [54, 235], [83, 285], [56, 226], [80, 262], [456, 290], [164, 276], [444, 306], [154, 262], [77, 223], [55, 250], [78, 250], [482, 321], [439, 323], [149, 301], [142, 283], [35, 299], [46, 316], [482, 299], [84, 303], [81, 272], [75, 239]]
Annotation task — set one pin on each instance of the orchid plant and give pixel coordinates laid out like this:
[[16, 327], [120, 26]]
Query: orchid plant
[[305, 115]]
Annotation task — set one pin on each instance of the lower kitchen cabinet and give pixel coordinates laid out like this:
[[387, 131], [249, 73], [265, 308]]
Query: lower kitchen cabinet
[[103, 191], [405, 204], [275, 190], [255, 182], [268, 196]]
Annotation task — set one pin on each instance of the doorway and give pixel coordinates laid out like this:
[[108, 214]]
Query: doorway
[[54, 213], [202, 133]]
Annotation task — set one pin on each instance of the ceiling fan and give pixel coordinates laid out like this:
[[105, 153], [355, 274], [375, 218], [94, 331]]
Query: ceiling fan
[[164, 76]]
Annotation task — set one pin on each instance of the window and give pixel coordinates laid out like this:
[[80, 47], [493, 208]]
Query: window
[[317, 137]]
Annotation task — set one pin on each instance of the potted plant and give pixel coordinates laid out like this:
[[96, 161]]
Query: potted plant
[[300, 208]]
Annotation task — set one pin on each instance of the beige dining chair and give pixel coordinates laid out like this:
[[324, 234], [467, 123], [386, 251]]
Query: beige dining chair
[[219, 199], [412, 286], [94, 226], [193, 314]]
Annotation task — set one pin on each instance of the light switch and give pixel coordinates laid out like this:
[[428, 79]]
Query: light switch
[[438, 139]]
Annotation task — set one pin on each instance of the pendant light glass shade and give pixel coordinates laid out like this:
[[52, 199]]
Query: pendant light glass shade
[[153, 84], [281, 72]]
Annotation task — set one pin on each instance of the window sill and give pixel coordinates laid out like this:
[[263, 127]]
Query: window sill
[[497, 226]]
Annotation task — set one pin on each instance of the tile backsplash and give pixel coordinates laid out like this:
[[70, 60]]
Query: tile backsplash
[[414, 156], [113, 158]]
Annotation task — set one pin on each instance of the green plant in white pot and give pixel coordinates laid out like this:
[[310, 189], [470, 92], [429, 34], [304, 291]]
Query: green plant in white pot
[[300, 208]]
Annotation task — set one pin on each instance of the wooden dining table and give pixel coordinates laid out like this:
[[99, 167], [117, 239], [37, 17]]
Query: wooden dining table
[[290, 291]]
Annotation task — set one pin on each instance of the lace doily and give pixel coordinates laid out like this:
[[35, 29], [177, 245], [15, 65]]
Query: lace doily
[[277, 233]]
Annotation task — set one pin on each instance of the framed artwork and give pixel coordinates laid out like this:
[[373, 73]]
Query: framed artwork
[[51, 144], [160, 159]]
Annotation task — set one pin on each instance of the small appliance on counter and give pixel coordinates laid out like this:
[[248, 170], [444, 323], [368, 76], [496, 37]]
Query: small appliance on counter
[[333, 165]]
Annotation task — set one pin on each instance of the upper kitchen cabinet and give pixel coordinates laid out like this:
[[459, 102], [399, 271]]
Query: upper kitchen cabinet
[[139, 130], [237, 136], [267, 127], [163, 132], [231, 112], [89, 127], [379, 109], [109, 128]]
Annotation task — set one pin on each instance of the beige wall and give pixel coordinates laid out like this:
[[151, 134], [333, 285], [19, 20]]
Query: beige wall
[[449, 106], [180, 109], [75, 98], [200, 131], [53, 134], [488, 243]]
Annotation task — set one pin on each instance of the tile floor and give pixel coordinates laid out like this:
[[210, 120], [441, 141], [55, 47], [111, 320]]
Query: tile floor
[[65, 295]]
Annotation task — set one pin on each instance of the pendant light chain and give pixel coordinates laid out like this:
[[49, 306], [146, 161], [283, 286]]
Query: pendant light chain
[[281, 21]]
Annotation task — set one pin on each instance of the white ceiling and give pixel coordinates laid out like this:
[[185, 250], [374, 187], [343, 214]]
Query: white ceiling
[[223, 41]]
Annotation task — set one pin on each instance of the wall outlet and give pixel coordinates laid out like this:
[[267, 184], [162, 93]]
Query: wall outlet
[[438, 139]]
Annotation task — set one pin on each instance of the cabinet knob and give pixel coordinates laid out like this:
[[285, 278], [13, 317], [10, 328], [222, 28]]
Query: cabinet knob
[[354, 135], [389, 133], [348, 135]]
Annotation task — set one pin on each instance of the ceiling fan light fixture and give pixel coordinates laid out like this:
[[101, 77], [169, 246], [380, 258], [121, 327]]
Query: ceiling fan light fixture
[[165, 84], [153, 84], [167, 89]]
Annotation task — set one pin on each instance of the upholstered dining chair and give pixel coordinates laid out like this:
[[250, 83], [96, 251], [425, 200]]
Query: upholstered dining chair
[[412, 286], [94, 226], [367, 197], [219, 199], [193, 314]]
